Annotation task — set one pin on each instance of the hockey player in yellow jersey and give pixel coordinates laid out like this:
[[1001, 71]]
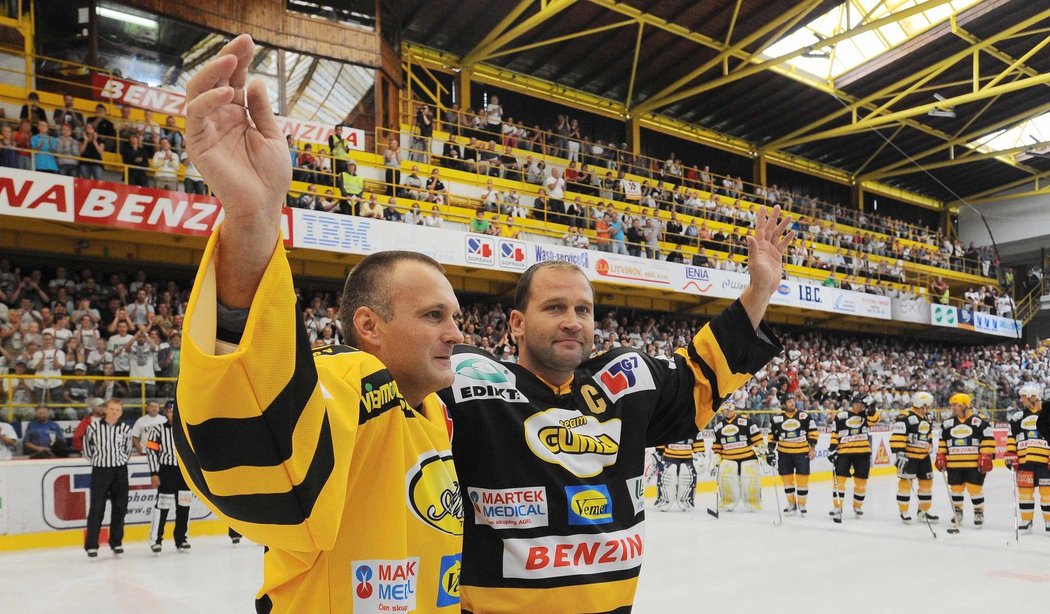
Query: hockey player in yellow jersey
[[682, 462], [793, 438], [737, 446], [965, 454], [912, 444], [338, 459], [850, 452], [1028, 454]]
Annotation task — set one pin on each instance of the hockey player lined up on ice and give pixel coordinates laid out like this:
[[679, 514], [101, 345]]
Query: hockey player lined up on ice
[[682, 461], [738, 443], [793, 438], [1028, 453], [965, 454], [912, 443], [850, 452]]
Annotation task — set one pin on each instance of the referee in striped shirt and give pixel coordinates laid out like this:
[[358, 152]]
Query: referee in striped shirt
[[107, 445], [172, 492]]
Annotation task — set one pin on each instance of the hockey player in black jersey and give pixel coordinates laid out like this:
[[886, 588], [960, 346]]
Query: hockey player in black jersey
[[912, 443], [793, 443], [570, 432]]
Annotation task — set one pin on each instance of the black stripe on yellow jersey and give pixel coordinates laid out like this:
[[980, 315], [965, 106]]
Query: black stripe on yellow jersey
[[316, 455], [851, 433], [683, 450], [912, 434], [793, 433], [963, 440]]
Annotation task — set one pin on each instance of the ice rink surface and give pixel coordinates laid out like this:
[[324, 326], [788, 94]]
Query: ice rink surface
[[741, 563]]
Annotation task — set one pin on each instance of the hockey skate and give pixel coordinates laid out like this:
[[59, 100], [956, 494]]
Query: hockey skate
[[859, 513], [802, 511], [836, 515], [906, 519], [924, 515], [1025, 527], [155, 548], [118, 551], [791, 510], [957, 517], [978, 519]]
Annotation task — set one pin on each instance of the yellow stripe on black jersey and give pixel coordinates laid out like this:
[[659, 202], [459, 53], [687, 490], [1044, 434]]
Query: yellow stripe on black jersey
[[682, 450], [850, 434], [963, 440], [737, 439], [912, 434], [309, 453], [1025, 440], [793, 433]]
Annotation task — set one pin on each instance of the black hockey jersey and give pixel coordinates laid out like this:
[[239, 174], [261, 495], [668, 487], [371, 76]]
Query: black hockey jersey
[[683, 450], [737, 439], [793, 433], [851, 432], [963, 440], [552, 476], [912, 434], [1025, 440]]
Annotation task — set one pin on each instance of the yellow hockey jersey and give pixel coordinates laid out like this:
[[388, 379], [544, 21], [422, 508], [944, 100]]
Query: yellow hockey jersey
[[912, 434], [683, 450], [851, 432], [317, 456], [793, 433], [963, 440]]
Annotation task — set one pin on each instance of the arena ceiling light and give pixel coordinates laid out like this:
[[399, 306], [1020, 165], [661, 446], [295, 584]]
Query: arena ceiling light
[[137, 20]]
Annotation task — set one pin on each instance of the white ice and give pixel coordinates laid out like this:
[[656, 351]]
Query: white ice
[[740, 563]]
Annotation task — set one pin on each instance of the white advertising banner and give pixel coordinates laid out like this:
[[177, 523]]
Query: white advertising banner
[[944, 315], [53, 495], [911, 310]]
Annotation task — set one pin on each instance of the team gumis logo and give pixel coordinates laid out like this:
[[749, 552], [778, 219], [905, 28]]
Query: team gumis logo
[[581, 444], [433, 492]]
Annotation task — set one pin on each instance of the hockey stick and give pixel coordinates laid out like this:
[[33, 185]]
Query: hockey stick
[[1017, 505], [956, 515], [915, 490], [718, 492]]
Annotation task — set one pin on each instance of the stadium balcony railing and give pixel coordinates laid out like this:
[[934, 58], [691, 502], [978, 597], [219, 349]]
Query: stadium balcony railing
[[806, 217], [647, 168], [140, 391], [461, 207]]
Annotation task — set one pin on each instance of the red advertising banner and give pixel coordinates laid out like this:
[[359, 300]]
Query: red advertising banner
[[122, 91], [63, 199]]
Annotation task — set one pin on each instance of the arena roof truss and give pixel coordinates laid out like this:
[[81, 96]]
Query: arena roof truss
[[909, 82]]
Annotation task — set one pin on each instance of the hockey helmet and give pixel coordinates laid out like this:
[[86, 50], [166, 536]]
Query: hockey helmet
[[1031, 390], [960, 398], [922, 399]]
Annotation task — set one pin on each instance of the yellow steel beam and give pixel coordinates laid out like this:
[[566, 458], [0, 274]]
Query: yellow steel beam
[[1012, 196], [1019, 63], [657, 102], [978, 196], [634, 65], [559, 39], [485, 44], [792, 16], [965, 159], [894, 88], [870, 122], [963, 139], [886, 143], [732, 22], [547, 11], [889, 191], [485, 73]]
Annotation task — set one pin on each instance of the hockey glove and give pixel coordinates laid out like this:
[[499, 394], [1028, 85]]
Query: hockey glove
[[832, 456], [771, 458], [1010, 459], [941, 463], [901, 462], [984, 463]]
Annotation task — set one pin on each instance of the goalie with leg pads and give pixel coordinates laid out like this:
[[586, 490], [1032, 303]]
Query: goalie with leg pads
[[677, 484], [739, 477]]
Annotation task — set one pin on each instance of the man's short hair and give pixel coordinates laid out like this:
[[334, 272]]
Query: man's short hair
[[367, 286], [524, 291]]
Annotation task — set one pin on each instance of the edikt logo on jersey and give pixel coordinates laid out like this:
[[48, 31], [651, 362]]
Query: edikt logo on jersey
[[590, 504], [385, 586], [510, 508], [581, 444], [433, 492], [623, 375], [478, 378]]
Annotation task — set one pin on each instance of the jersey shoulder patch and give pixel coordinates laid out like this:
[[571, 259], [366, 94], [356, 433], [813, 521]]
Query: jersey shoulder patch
[[913, 420]]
